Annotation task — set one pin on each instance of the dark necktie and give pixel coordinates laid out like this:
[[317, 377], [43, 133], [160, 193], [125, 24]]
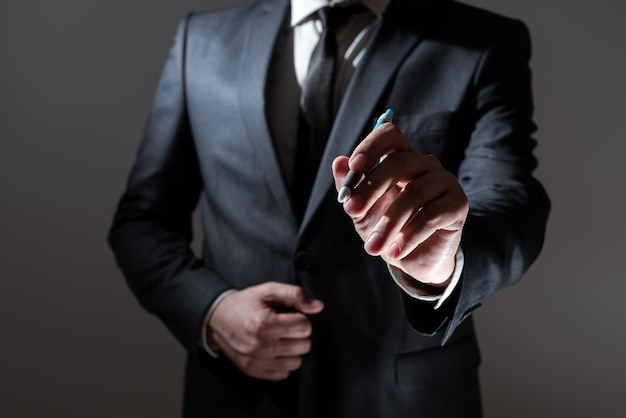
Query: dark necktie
[[316, 105]]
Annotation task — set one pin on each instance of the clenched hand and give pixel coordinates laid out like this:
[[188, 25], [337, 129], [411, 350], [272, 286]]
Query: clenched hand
[[264, 329]]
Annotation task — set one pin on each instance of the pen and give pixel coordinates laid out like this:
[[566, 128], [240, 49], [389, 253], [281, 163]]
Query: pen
[[349, 183]]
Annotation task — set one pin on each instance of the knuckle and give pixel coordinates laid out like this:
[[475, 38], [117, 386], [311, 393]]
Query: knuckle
[[252, 347], [364, 224], [432, 221], [269, 287], [414, 190], [296, 292], [462, 206], [434, 160], [253, 372], [255, 324], [245, 364], [387, 127], [428, 218], [274, 350], [306, 346], [296, 363], [307, 328]]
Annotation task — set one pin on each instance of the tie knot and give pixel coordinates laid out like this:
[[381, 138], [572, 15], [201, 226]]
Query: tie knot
[[332, 16]]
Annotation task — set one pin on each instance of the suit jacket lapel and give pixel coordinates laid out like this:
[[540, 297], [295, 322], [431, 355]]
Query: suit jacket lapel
[[261, 36], [361, 103]]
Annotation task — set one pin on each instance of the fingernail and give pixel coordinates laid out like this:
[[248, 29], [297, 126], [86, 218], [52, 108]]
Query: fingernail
[[394, 250], [358, 162], [316, 303], [311, 301], [313, 306], [354, 203], [374, 243]]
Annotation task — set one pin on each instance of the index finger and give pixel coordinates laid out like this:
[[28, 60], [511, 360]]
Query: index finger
[[382, 141], [289, 325]]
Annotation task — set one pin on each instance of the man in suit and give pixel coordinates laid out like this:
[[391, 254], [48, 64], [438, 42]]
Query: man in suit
[[310, 308]]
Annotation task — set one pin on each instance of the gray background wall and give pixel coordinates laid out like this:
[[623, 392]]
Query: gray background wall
[[76, 82]]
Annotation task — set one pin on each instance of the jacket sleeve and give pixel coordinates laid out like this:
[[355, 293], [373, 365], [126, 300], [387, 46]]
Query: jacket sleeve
[[152, 228], [505, 228]]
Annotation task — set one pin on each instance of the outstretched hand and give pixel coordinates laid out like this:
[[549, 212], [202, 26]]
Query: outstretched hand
[[408, 209], [264, 329]]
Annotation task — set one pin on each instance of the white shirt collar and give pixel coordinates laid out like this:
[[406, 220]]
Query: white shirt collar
[[302, 9]]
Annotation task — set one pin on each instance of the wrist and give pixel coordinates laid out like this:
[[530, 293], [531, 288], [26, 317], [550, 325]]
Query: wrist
[[427, 292], [435, 277], [207, 339]]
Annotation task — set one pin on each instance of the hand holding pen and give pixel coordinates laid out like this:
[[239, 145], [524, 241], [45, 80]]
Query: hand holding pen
[[352, 178], [406, 207]]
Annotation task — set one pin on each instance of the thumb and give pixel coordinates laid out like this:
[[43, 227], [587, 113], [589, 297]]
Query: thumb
[[291, 296]]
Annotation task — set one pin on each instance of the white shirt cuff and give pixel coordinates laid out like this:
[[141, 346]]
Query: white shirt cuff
[[213, 351], [410, 287]]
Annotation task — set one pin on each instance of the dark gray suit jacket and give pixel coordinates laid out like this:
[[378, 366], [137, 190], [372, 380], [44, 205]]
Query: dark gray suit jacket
[[459, 81]]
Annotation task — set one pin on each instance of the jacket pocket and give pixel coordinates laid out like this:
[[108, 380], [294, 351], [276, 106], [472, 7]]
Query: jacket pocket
[[444, 135], [438, 364]]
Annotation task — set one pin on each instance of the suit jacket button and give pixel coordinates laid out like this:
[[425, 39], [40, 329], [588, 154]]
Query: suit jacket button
[[302, 261]]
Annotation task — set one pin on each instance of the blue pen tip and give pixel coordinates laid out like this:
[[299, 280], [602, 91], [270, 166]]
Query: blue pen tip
[[389, 112]]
